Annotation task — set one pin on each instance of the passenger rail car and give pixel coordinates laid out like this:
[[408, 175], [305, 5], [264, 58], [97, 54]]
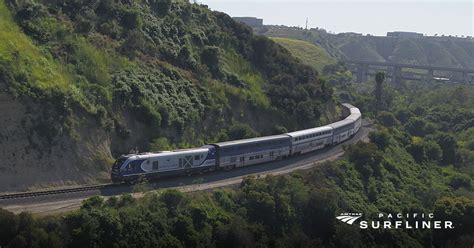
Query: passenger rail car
[[236, 153], [245, 152], [310, 139]]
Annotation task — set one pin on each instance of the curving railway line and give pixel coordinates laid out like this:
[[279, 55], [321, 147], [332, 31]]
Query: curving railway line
[[61, 200]]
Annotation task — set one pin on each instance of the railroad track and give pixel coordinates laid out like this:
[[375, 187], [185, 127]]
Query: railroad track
[[55, 191], [6, 197]]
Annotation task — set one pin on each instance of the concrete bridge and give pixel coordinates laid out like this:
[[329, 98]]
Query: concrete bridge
[[397, 72]]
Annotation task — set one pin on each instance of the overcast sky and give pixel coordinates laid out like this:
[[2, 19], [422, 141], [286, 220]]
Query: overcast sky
[[430, 17]]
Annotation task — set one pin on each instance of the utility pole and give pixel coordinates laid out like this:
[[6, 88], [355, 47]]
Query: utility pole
[[306, 23]]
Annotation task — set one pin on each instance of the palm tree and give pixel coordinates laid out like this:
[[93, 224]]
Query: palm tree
[[379, 78]]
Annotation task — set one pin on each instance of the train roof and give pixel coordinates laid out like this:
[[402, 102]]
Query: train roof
[[354, 116], [351, 108], [309, 131], [165, 153], [348, 105], [339, 124], [355, 111], [251, 140]]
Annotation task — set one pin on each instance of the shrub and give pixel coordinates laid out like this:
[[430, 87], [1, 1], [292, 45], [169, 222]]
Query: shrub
[[460, 180], [416, 126], [380, 138], [161, 144], [386, 118], [403, 115], [241, 131], [131, 19]]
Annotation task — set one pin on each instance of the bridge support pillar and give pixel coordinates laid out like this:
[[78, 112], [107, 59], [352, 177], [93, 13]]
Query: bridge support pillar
[[464, 78], [362, 71], [430, 75], [396, 74]]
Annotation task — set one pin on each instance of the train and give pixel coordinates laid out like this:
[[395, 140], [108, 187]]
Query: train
[[237, 153]]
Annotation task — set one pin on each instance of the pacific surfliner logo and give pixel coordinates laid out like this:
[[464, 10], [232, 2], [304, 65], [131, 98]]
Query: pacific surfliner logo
[[397, 221]]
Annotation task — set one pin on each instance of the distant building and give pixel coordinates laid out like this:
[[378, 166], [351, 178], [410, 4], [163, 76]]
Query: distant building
[[400, 34], [251, 21]]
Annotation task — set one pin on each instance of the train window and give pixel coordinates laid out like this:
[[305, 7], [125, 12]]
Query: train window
[[180, 162], [251, 158], [197, 157], [155, 165]]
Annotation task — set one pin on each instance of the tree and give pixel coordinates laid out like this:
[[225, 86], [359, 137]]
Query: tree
[[210, 57], [161, 7], [416, 126], [366, 157], [241, 131], [417, 151], [432, 150], [380, 138], [461, 180], [8, 226], [131, 19], [387, 119], [173, 200], [449, 146], [403, 115], [379, 78], [459, 210]]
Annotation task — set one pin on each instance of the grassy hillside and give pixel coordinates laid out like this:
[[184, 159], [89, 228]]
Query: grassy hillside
[[83, 82], [308, 53], [439, 51]]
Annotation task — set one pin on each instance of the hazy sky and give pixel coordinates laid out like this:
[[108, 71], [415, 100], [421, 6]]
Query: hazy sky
[[455, 17]]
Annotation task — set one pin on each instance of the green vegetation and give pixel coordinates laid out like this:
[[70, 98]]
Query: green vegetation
[[165, 74], [31, 65], [440, 51], [308, 53], [418, 161], [148, 72]]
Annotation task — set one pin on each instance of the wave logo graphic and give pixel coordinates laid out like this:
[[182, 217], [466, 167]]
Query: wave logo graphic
[[349, 218]]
